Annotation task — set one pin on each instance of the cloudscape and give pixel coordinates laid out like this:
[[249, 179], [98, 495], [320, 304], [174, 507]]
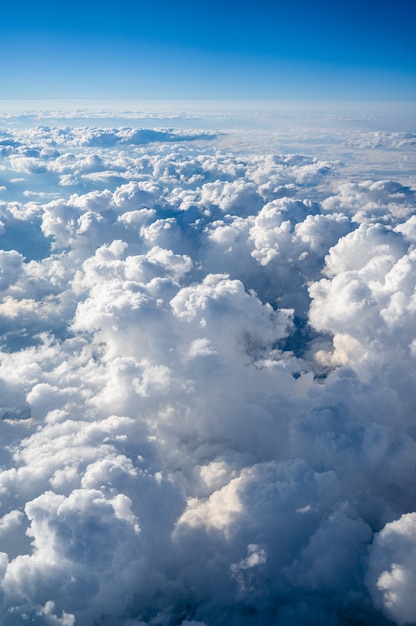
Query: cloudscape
[[207, 314], [207, 371]]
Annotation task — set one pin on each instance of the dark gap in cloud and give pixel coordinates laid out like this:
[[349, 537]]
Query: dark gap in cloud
[[16, 340], [26, 237]]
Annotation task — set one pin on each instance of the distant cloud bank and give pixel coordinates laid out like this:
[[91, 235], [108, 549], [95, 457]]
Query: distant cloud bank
[[207, 377]]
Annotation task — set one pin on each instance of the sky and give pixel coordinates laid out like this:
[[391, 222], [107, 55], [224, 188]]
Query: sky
[[265, 50], [207, 314]]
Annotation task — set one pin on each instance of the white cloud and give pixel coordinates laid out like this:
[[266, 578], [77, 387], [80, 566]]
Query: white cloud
[[206, 380], [384, 201], [10, 267], [392, 576]]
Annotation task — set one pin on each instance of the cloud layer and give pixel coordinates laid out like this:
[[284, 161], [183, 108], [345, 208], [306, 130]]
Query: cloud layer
[[207, 384]]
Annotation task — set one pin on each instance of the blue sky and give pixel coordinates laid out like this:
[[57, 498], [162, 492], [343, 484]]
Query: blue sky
[[304, 50]]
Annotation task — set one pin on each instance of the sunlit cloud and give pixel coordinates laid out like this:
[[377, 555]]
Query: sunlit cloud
[[207, 375]]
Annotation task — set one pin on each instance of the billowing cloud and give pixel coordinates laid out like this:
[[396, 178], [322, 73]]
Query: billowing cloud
[[207, 381], [374, 201], [392, 574]]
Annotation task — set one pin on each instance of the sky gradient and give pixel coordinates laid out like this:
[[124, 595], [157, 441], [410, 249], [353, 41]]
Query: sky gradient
[[207, 314], [323, 50]]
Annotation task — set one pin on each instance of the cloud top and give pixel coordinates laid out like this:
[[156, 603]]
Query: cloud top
[[207, 383]]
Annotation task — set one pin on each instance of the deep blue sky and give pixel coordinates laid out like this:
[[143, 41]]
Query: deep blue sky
[[303, 50]]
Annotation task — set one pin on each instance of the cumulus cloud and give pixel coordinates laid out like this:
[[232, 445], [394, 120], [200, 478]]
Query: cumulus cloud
[[207, 382], [391, 573], [381, 201], [10, 266]]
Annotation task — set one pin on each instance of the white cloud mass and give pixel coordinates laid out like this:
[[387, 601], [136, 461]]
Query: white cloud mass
[[207, 377]]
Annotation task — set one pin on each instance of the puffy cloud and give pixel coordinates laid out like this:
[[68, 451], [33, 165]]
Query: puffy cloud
[[10, 268], [44, 139], [384, 201], [136, 196], [369, 295], [206, 380], [391, 576]]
